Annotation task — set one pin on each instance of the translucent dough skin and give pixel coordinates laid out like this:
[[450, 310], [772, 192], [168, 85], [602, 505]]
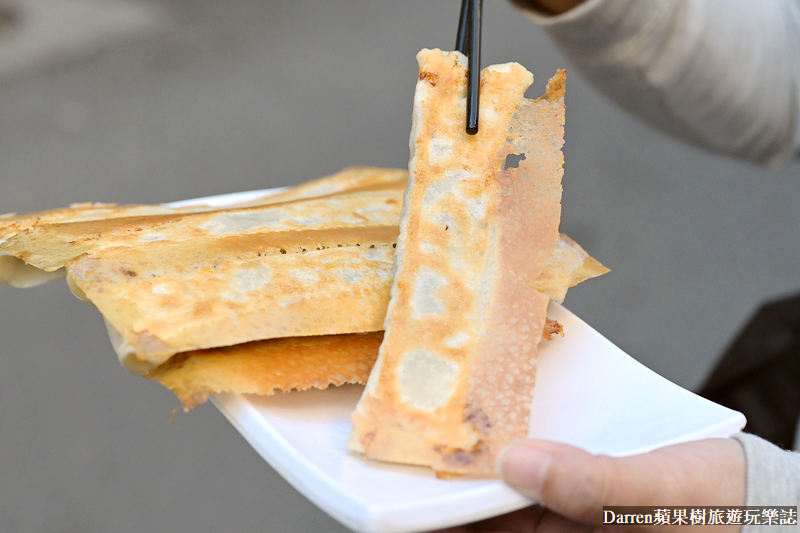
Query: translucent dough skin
[[473, 239]]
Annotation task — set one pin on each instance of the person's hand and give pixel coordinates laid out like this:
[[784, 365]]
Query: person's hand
[[573, 485]]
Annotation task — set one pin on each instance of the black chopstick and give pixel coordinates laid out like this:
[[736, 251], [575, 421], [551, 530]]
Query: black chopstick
[[468, 42]]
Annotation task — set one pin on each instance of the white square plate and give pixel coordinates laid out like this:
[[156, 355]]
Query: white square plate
[[588, 393]]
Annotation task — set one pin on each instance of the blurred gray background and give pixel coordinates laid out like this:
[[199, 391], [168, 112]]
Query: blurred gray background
[[160, 101]]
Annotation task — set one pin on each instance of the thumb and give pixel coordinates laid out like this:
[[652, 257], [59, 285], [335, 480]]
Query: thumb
[[577, 484]]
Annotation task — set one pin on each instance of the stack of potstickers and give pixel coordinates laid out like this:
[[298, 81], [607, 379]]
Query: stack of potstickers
[[287, 292]]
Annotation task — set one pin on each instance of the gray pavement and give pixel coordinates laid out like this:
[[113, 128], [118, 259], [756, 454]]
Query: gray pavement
[[245, 94]]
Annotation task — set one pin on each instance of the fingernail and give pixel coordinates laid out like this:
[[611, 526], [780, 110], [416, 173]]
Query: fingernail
[[524, 468]]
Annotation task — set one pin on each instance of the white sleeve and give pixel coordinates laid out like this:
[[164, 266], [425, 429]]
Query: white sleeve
[[724, 74], [773, 479]]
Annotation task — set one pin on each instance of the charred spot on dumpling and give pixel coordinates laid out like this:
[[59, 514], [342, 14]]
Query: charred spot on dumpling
[[478, 418], [430, 77]]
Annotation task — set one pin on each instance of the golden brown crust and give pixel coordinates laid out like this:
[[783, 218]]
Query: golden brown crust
[[266, 367], [551, 329], [556, 87]]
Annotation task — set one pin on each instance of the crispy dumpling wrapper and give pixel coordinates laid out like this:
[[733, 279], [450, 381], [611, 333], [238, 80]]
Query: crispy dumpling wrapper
[[270, 366], [567, 266], [170, 283], [45, 242], [454, 378]]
